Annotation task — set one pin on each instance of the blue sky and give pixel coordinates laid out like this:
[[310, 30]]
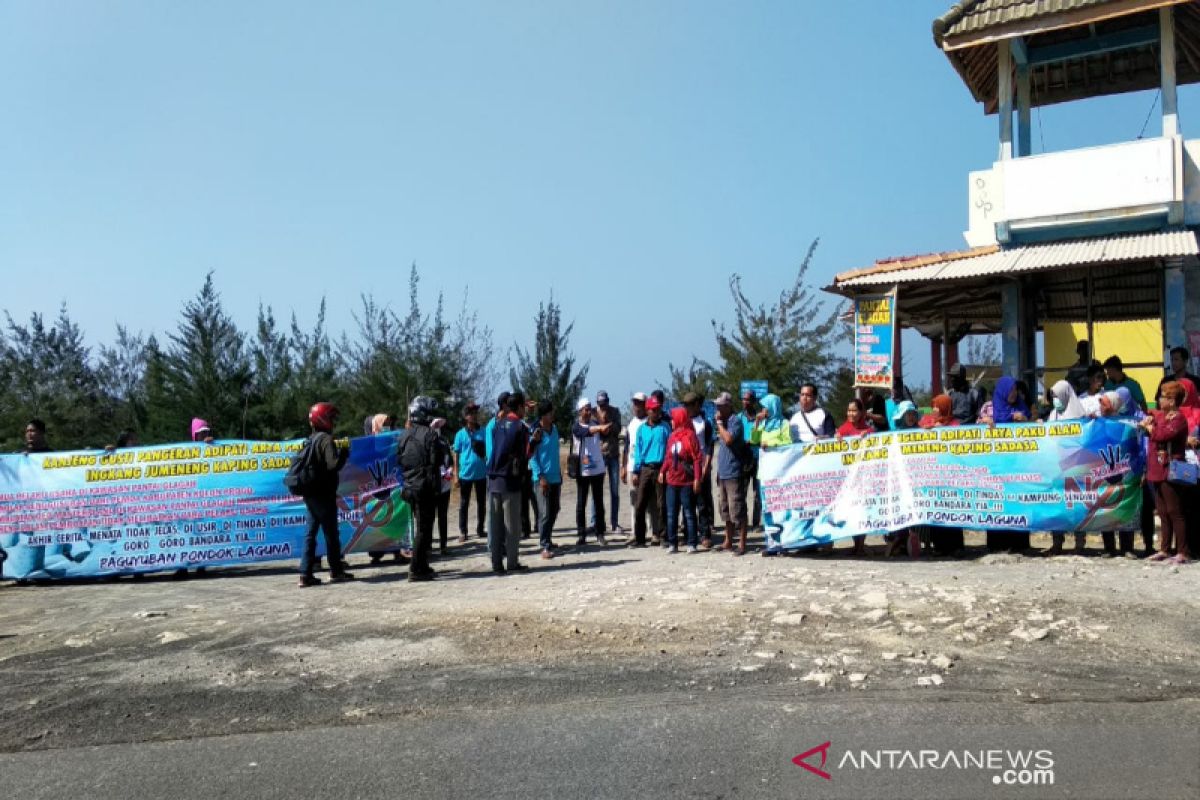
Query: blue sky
[[627, 156]]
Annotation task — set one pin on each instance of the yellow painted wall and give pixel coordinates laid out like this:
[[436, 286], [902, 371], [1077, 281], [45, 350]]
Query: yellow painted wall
[[1137, 341]]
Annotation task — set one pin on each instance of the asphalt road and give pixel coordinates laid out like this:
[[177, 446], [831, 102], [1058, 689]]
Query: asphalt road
[[667, 745]]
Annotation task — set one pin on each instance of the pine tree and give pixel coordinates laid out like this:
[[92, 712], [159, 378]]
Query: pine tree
[[786, 343], [205, 371], [122, 374], [50, 376], [548, 373]]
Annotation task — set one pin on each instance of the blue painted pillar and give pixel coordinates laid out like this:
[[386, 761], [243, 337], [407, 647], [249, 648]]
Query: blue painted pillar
[[1174, 307], [1010, 328]]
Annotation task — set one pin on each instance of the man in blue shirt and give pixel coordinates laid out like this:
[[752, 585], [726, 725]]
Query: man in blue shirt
[[733, 461], [547, 474], [470, 471], [648, 453]]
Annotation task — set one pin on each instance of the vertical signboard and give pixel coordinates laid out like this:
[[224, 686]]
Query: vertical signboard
[[875, 340]]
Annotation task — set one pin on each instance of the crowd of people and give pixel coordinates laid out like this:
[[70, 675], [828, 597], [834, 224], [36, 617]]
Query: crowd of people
[[677, 467]]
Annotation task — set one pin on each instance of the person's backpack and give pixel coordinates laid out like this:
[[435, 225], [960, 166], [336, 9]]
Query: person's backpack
[[301, 477], [419, 463]]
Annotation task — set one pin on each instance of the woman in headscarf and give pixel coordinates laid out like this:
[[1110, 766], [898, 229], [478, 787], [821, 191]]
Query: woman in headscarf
[[1008, 406], [942, 414], [1190, 408], [1167, 428], [682, 471], [771, 429], [1066, 405], [201, 432], [905, 417], [1065, 402], [945, 541], [1007, 403]]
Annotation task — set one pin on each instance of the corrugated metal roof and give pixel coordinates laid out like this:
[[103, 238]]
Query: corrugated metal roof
[[1032, 258], [976, 15]]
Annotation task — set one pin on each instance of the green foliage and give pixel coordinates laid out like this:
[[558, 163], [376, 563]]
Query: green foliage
[[786, 343], [254, 386], [548, 373], [49, 375]]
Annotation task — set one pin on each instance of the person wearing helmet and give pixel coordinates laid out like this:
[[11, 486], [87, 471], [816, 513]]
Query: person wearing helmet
[[421, 459], [321, 503]]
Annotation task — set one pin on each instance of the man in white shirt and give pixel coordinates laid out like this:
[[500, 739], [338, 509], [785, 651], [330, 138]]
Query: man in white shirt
[[811, 422], [635, 422]]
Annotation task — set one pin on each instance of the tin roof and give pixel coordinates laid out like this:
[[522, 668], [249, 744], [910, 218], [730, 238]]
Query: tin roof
[[1029, 258], [1088, 48]]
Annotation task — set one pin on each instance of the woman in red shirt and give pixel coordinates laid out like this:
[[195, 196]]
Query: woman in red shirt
[[682, 470], [857, 424], [1168, 430]]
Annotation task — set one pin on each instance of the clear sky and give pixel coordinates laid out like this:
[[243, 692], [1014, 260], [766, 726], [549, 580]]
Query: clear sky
[[629, 156]]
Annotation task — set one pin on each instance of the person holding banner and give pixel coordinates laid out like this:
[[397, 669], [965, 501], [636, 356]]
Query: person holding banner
[[1066, 405], [1167, 428], [327, 460], [771, 429], [1008, 406], [905, 418], [811, 422], [857, 424], [945, 541]]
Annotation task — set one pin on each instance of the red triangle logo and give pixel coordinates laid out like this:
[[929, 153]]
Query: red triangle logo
[[802, 760]]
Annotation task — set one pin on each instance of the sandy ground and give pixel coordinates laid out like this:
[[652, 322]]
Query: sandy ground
[[245, 650]]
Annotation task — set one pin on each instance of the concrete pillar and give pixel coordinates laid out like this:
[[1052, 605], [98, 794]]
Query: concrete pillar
[[1010, 329], [935, 365], [1166, 50], [1004, 55]]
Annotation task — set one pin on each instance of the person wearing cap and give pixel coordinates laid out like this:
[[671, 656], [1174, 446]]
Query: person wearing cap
[[547, 475], [966, 401], [586, 433], [734, 460], [610, 449], [747, 416], [639, 417], [470, 471], [649, 450], [694, 403]]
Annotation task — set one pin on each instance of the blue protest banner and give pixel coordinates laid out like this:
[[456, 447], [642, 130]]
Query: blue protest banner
[[1078, 475], [143, 509]]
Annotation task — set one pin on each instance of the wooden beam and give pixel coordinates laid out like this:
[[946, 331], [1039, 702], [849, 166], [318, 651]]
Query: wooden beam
[[1095, 45]]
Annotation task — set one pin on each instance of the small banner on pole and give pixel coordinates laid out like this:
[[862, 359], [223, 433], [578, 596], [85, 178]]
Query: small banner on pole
[[875, 340]]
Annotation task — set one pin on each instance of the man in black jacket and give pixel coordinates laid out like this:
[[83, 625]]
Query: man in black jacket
[[421, 457], [327, 460]]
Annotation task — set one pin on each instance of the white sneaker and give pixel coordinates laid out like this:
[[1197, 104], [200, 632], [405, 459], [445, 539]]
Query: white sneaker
[[693, 549]]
